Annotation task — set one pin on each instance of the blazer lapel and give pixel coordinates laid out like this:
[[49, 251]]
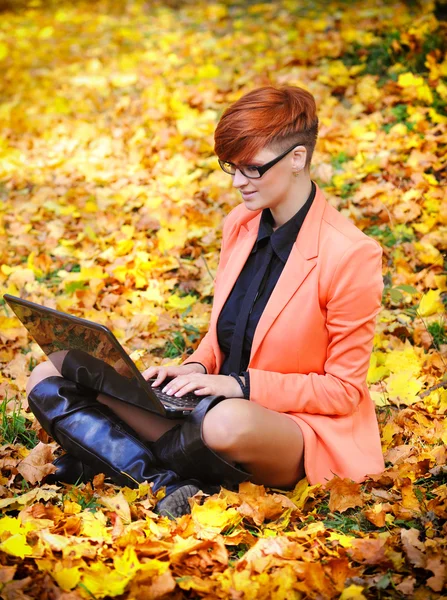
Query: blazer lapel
[[300, 263], [241, 250]]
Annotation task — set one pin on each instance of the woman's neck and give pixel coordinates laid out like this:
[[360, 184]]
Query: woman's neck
[[299, 195]]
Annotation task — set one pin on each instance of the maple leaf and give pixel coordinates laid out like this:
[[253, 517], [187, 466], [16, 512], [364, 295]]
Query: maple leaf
[[344, 494], [430, 303], [37, 464]]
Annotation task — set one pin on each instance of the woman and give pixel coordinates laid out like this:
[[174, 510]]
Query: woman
[[297, 291]]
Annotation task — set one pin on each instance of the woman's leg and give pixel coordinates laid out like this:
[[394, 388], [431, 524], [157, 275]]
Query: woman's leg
[[266, 443], [149, 426], [239, 431]]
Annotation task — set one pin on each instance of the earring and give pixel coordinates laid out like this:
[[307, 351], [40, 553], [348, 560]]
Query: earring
[[296, 173]]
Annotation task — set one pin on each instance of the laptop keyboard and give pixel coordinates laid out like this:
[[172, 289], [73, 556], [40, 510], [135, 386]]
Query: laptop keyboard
[[189, 400]]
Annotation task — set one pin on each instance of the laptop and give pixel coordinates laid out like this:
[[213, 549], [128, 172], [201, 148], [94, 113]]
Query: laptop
[[57, 333]]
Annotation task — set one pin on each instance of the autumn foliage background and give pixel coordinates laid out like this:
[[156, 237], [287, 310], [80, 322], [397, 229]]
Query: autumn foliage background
[[111, 208]]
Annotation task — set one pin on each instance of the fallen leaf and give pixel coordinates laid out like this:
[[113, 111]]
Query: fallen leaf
[[37, 464], [344, 494]]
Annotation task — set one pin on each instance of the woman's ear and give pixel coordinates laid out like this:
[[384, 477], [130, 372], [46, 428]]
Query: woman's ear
[[299, 158]]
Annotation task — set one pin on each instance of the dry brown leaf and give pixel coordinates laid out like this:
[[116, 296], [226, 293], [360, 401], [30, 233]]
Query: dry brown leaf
[[37, 464], [369, 551], [413, 547], [438, 568], [117, 504], [399, 454], [344, 494], [7, 573]]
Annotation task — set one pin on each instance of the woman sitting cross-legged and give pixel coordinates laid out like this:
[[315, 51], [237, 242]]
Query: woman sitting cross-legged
[[282, 369]]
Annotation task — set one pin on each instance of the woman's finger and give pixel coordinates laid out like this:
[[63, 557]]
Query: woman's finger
[[183, 387], [204, 392], [150, 372], [161, 376], [174, 385]]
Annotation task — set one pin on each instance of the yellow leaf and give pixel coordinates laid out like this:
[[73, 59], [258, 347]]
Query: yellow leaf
[[404, 387], [4, 50], [441, 282], [180, 303], [376, 372], [430, 303], [91, 206], [208, 71], [379, 398], [428, 254], [406, 359], [214, 515], [8, 323], [367, 89], [124, 247], [353, 592], [11, 525], [343, 540], [33, 495], [425, 94], [302, 492], [87, 273], [93, 526], [409, 80], [72, 508], [436, 402], [67, 578], [127, 564], [46, 32], [6, 269], [16, 545], [435, 117], [101, 581], [173, 235], [30, 264]]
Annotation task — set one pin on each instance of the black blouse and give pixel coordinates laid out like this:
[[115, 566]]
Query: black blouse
[[273, 248]]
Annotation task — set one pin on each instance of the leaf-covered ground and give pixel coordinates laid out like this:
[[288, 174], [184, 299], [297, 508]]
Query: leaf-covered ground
[[111, 206]]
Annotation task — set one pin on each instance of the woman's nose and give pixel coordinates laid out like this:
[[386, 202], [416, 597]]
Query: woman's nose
[[239, 179]]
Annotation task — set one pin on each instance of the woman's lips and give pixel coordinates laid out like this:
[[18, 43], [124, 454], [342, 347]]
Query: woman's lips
[[246, 195]]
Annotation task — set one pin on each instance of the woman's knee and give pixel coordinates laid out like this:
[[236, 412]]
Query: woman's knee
[[225, 425], [40, 372]]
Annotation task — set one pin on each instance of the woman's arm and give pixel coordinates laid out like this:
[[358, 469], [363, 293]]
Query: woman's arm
[[354, 299]]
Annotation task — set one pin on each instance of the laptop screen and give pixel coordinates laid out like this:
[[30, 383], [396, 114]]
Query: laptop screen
[[57, 334]]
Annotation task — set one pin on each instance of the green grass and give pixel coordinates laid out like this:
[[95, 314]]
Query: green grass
[[391, 237], [14, 428], [380, 57], [176, 345], [438, 332]]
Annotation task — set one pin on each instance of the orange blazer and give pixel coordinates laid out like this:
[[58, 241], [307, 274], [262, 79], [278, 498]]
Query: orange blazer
[[313, 342]]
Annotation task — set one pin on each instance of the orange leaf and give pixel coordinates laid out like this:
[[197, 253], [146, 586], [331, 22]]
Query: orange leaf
[[344, 494]]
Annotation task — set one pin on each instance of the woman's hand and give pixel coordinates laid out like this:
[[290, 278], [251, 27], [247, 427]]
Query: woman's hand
[[160, 373], [204, 385]]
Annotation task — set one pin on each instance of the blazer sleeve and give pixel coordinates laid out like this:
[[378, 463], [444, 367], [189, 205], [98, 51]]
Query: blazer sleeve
[[353, 301]]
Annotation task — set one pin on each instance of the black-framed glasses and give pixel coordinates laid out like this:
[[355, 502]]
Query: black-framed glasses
[[253, 171]]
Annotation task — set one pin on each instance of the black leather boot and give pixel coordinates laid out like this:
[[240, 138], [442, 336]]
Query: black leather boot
[[95, 435], [70, 470], [182, 448]]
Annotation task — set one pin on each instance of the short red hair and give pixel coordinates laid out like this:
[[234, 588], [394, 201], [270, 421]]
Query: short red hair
[[267, 117]]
